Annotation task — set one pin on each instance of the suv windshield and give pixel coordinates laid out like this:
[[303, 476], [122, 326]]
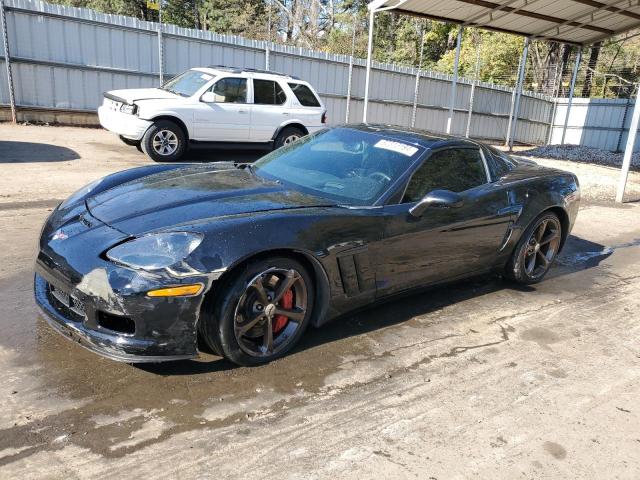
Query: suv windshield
[[187, 83], [349, 166]]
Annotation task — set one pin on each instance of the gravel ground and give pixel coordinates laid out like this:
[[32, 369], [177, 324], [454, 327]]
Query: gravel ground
[[580, 154]]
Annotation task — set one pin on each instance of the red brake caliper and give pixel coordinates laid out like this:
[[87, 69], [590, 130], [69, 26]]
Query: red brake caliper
[[286, 302]]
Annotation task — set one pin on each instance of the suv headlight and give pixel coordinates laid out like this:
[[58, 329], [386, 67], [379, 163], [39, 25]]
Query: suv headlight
[[130, 109], [156, 251]]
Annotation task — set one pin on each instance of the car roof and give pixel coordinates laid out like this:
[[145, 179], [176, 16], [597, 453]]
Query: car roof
[[413, 135], [248, 72]]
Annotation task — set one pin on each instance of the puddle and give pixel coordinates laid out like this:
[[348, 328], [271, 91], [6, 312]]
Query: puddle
[[593, 257]]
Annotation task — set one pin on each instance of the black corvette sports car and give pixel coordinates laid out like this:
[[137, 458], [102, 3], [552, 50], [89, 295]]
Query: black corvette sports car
[[140, 265]]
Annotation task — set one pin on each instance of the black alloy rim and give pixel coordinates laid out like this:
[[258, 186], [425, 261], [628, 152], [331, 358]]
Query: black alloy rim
[[542, 247], [270, 312]]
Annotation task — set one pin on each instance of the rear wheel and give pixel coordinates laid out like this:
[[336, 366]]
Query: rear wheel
[[287, 136], [261, 313], [536, 250], [164, 141]]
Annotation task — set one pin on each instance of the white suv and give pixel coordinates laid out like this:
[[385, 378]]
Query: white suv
[[217, 105]]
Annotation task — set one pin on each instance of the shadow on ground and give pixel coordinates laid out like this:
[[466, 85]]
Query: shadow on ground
[[578, 254], [28, 152]]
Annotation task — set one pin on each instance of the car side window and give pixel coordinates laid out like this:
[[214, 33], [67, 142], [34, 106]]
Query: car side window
[[499, 163], [231, 90], [304, 95], [268, 92], [455, 169]]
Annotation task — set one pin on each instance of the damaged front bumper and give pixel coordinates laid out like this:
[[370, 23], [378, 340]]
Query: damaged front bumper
[[105, 307], [111, 345]]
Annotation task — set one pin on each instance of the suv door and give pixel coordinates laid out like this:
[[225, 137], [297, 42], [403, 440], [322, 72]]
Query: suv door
[[228, 118], [445, 243], [270, 109]]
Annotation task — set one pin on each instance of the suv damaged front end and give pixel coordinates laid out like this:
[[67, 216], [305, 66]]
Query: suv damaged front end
[[116, 295]]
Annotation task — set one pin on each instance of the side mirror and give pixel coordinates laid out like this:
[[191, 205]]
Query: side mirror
[[210, 97], [436, 198]]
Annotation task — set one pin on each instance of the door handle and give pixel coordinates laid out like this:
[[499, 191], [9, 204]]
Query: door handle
[[242, 111], [285, 113]]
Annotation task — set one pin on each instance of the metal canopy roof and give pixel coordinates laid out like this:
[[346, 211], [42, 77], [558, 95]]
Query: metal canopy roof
[[578, 22]]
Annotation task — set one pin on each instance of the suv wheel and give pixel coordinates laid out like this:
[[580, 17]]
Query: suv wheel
[[287, 136], [164, 141]]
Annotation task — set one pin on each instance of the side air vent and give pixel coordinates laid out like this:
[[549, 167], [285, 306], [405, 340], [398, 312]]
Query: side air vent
[[356, 273]]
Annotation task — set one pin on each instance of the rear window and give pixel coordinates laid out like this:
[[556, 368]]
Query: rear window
[[268, 92], [304, 95]]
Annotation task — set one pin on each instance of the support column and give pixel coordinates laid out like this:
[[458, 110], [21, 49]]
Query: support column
[[368, 75], [516, 108], [628, 150], [7, 62], [571, 89], [454, 83]]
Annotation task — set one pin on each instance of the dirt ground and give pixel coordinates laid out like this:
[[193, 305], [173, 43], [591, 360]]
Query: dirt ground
[[477, 380]]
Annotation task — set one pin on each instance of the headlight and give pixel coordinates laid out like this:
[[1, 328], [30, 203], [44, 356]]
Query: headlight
[[156, 251], [130, 109], [83, 192]]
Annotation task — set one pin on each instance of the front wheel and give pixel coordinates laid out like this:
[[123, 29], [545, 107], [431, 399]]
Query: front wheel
[[536, 250], [261, 312], [164, 141]]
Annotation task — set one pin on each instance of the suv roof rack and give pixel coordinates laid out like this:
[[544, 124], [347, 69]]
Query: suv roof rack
[[251, 70]]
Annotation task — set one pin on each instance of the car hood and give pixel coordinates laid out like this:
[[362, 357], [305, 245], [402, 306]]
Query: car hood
[[192, 194], [135, 94]]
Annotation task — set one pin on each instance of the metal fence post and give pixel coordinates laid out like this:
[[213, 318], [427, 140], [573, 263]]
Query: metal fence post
[[267, 54], [416, 90], [160, 55], [350, 79], [7, 62], [516, 110], [454, 82], [473, 91]]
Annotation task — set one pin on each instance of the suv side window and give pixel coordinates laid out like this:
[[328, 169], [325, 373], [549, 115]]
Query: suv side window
[[231, 90], [268, 92], [304, 95], [455, 169]]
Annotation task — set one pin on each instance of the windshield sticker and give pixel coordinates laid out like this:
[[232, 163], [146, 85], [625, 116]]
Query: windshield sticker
[[206, 77], [397, 147]]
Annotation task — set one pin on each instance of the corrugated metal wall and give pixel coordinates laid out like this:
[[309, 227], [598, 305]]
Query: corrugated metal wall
[[65, 58], [594, 122]]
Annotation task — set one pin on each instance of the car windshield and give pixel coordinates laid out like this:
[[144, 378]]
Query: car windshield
[[346, 165], [187, 83]]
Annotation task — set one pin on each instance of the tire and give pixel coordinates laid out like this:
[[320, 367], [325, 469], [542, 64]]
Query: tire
[[128, 141], [539, 244], [164, 136], [287, 136], [228, 323]]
